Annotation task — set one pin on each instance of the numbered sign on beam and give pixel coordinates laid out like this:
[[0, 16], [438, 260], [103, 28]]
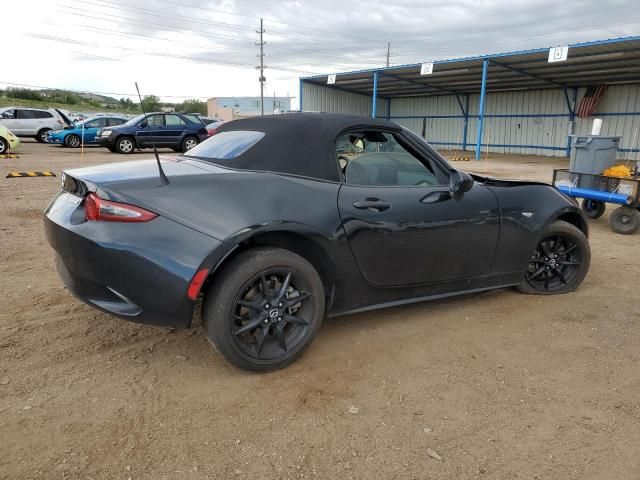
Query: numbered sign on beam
[[331, 79], [558, 54], [426, 69]]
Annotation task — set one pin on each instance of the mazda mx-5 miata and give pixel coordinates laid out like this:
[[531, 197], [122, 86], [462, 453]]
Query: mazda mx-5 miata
[[276, 221]]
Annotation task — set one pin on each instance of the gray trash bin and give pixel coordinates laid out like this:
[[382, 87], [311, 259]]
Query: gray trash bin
[[592, 154]]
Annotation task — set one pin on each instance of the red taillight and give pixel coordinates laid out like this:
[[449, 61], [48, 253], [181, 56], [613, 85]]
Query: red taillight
[[196, 283], [95, 208], [212, 132]]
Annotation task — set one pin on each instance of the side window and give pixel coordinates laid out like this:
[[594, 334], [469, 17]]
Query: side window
[[92, 124], [154, 121], [8, 114], [24, 114], [42, 114], [112, 122], [173, 120], [380, 159]]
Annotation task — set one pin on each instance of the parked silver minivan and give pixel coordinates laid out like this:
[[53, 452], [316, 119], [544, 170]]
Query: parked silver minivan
[[33, 122]]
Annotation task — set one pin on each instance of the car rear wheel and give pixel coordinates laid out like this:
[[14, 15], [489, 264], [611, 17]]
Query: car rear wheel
[[188, 143], [264, 309], [625, 220], [42, 135], [559, 262], [592, 208], [72, 141], [4, 146], [125, 145]]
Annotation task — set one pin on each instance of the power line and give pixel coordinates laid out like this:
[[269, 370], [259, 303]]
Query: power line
[[299, 38], [163, 54], [301, 26]]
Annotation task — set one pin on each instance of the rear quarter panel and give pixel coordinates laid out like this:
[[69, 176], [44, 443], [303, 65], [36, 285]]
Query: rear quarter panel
[[233, 206]]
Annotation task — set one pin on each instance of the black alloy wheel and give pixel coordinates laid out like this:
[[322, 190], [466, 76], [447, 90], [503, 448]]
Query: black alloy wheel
[[559, 262], [271, 315], [263, 310]]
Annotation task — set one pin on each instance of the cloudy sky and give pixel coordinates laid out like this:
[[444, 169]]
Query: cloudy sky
[[205, 48]]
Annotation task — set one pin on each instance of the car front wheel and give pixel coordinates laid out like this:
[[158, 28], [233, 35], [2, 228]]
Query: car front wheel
[[559, 262], [125, 145], [264, 309], [4, 146]]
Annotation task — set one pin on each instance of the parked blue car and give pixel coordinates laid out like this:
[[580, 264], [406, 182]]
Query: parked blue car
[[178, 131], [73, 136]]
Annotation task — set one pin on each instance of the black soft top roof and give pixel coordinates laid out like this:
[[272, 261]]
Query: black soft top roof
[[299, 143]]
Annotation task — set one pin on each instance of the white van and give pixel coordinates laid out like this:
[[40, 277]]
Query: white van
[[33, 122]]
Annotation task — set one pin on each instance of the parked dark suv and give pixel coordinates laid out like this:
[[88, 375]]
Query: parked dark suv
[[178, 131]]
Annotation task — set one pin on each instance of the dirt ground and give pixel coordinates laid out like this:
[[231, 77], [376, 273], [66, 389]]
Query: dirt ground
[[497, 385]]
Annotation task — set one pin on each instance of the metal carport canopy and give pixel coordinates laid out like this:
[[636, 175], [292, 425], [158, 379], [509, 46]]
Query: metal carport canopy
[[590, 63]]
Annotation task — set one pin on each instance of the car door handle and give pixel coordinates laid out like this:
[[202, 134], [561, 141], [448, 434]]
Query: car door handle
[[372, 204], [435, 197]]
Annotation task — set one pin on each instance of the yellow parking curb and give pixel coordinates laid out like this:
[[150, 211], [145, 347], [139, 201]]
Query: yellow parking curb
[[9, 155], [46, 173]]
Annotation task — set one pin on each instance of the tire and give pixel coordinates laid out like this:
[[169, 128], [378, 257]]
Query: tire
[[4, 146], [41, 137], [625, 220], [188, 143], [72, 141], [176, 149], [559, 263], [255, 277], [125, 144], [592, 208], [112, 149]]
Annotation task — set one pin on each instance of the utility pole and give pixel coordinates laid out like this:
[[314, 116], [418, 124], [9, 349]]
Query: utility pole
[[261, 67], [388, 52]]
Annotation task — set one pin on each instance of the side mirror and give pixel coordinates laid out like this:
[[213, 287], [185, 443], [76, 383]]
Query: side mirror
[[460, 182]]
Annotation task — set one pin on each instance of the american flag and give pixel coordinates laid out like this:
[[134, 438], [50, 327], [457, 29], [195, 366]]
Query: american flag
[[590, 100]]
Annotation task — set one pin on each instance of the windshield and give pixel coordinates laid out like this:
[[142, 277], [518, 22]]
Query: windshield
[[134, 120], [225, 146]]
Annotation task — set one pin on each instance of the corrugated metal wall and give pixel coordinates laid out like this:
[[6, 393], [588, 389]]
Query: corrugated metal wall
[[532, 122], [316, 98]]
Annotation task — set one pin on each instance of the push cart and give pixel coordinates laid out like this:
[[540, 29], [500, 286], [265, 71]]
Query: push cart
[[597, 190]]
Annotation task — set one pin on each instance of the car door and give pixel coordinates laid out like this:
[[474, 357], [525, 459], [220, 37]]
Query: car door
[[8, 119], [25, 122], [149, 130], [91, 129], [402, 223], [174, 129]]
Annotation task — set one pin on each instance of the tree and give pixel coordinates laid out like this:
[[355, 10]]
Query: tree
[[192, 106], [151, 103]]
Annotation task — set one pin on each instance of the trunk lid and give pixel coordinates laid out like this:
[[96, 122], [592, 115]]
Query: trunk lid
[[114, 177]]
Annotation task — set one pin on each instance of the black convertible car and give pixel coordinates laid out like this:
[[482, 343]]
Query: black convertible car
[[276, 221]]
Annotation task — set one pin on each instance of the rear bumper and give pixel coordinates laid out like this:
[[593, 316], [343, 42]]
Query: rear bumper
[[139, 271]]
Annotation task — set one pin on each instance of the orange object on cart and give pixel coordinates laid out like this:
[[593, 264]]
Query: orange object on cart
[[619, 171]]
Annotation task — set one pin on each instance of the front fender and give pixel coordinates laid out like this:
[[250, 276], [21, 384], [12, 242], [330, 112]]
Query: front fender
[[526, 211]]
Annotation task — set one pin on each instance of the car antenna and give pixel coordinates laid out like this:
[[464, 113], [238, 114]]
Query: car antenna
[[163, 178]]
